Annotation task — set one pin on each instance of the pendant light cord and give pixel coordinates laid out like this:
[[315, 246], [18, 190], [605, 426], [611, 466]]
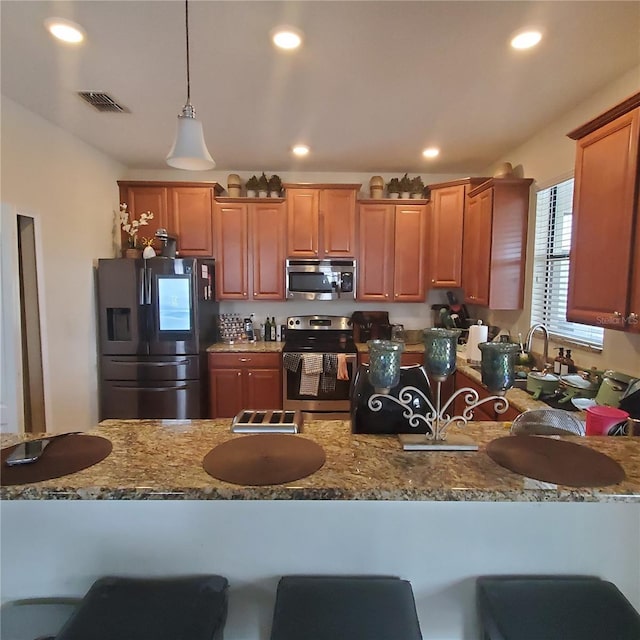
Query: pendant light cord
[[186, 26]]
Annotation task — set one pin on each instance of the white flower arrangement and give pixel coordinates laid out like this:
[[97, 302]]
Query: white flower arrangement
[[131, 227]]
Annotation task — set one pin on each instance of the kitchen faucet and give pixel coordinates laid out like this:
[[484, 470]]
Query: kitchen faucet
[[545, 331]]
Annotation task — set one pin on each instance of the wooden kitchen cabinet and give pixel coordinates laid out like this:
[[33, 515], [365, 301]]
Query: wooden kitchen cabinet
[[446, 218], [184, 209], [250, 249], [494, 243], [392, 252], [321, 220], [604, 272], [245, 380]]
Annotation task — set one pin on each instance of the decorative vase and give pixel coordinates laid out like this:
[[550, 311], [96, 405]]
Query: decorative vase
[[384, 364], [233, 185], [498, 365], [405, 195], [394, 195], [274, 194], [416, 196], [251, 193], [440, 352], [263, 194], [132, 253], [376, 186]]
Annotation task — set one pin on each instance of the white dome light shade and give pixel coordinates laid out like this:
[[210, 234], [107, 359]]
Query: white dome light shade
[[286, 38], [189, 150], [65, 30], [300, 150], [431, 152], [526, 39]]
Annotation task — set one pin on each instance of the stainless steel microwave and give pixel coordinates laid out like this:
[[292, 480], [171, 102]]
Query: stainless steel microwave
[[313, 279]]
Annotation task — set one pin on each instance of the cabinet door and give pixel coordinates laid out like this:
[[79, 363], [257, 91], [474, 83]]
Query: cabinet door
[[476, 259], [375, 267], [140, 199], [225, 392], [267, 233], [409, 281], [263, 389], [337, 222], [191, 220], [231, 228], [603, 218], [445, 236], [302, 223]]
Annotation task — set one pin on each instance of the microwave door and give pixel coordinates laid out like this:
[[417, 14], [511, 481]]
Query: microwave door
[[172, 307]]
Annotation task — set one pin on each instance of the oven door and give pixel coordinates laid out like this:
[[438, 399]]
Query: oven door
[[312, 283], [324, 393]]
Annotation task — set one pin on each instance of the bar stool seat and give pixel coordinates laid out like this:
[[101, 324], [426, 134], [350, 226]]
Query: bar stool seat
[[345, 608], [177, 608], [554, 607]]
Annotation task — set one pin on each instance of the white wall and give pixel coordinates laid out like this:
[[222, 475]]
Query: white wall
[[70, 188], [548, 157]]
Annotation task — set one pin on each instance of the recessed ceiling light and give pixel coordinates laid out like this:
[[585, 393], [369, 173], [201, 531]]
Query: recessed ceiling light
[[286, 37], [431, 152], [526, 39], [300, 150], [65, 30]]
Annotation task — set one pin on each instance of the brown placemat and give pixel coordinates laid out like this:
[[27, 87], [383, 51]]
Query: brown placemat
[[556, 461], [265, 458], [60, 458]]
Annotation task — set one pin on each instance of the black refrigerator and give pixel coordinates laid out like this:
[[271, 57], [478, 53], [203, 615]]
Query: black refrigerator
[[156, 319]]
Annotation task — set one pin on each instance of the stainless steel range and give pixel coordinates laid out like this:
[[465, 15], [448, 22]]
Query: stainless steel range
[[320, 360]]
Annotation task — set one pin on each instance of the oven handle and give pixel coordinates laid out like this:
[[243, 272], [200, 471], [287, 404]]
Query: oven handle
[[349, 357]]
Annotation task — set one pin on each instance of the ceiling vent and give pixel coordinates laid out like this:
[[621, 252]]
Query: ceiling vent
[[102, 101]]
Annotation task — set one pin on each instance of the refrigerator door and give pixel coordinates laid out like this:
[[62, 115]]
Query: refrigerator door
[[147, 369], [171, 300], [172, 400], [122, 316]]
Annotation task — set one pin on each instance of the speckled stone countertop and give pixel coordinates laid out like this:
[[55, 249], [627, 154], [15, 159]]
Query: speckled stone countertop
[[161, 460], [244, 347]]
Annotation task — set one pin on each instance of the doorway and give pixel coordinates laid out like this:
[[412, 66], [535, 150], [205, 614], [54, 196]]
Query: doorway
[[23, 394]]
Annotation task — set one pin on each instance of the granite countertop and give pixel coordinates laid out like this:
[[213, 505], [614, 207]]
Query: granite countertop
[[244, 347], [161, 460]]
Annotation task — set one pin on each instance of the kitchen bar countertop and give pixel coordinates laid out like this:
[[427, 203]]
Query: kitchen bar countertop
[[247, 347], [161, 460]]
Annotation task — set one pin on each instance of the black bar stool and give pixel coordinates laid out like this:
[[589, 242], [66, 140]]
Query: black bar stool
[[114, 608], [345, 608], [554, 607]]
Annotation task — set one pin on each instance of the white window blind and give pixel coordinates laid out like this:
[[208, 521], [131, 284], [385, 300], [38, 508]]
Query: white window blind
[[551, 267]]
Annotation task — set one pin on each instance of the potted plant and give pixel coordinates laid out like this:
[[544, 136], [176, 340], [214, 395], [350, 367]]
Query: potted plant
[[252, 187], [275, 186], [263, 186], [393, 188], [405, 186], [131, 228], [417, 187]]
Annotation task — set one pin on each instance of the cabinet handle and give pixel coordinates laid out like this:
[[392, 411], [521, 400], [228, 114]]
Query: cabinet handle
[[254, 294], [386, 295], [617, 314], [239, 373], [249, 373], [632, 318], [244, 293], [245, 359], [433, 280]]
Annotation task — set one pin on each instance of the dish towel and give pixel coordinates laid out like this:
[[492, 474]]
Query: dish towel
[[329, 371], [310, 376], [343, 371], [291, 361]]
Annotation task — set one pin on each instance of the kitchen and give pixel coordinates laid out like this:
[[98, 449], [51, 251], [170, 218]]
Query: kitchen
[[77, 184]]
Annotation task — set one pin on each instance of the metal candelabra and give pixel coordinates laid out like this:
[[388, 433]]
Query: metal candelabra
[[497, 368]]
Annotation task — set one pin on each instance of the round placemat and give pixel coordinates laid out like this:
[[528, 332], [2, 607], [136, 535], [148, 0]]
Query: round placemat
[[556, 461], [62, 456], [264, 459]]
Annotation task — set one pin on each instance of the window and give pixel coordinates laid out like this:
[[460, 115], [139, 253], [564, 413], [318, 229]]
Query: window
[[551, 267]]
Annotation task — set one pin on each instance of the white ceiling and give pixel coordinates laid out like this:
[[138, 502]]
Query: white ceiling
[[374, 83]]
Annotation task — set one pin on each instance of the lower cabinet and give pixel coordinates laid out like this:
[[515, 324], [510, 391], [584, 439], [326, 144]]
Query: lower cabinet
[[246, 380], [485, 412]]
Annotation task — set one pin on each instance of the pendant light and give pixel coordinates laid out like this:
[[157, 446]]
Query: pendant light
[[189, 150]]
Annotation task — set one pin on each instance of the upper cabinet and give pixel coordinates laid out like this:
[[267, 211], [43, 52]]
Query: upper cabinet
[[321, 220], [392, 257], [184, 209], [250, 249], [604, 275], [448, 203], [494, 243]]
